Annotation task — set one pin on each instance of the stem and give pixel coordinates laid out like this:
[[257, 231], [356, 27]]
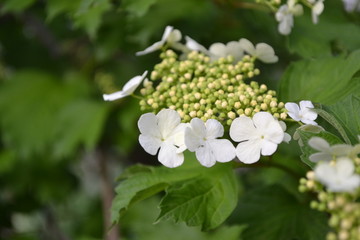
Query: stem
[[107, 196], [136, 96]]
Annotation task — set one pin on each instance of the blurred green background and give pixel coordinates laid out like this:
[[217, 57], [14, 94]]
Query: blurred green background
[[62, 146]]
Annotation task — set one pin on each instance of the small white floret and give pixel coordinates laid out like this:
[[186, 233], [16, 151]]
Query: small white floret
[[261, 51], [304, 113], [327, 152]]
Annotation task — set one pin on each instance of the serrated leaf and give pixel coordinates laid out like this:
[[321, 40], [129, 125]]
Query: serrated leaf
[[83, 121], [307, 150], [272, 213], [205, 201], [143, 182], [334, 122], [89, 15], [347, 112], [323, 80]]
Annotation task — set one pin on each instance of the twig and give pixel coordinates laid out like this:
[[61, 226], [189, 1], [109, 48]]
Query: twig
[[107, 196]]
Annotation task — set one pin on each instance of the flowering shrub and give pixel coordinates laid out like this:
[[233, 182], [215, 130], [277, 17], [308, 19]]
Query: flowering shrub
[[195, 96]]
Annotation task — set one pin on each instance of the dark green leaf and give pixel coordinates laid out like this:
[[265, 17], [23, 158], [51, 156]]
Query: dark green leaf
[[323, 80], [347, 112], [272, 213], [15, 5], [205, 201]]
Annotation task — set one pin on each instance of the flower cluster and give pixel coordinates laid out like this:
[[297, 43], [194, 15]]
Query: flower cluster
[[285, 13], [336, 180], [193, 98]]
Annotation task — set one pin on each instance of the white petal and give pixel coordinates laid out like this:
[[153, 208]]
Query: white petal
[[293, 110], [167, 32], [263, 119], [319, 144], [214, 129], [268, 147], [341, 149], [192, 140], [149, 143], [198, 127], [317, 10], [307, 121], [324, 172], [205, 155], [222, 149], [273, 132], [150, 49], [193, 45], [286, 24], [148, 125], [345, 167], [320, 156], [242, 128], [247, 46], [174, 36], [265, 53], [306, 104], [234, 49], [169, 157], [178, 136], [287, 138], [133, 83], [168, 120], [115, 96], [248, 151], [218, 49]]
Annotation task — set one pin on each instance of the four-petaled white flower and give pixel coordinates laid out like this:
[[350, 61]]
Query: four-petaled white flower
[[304, 113], [201, 138], [316, 10], [285, 16], [338, 176], [128, 88], [219, 50], [259, 135], [262, 51], [170, 36], [163, 131], [327, 152]]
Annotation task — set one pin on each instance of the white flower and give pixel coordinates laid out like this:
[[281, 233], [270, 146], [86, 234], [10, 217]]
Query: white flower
[[352, 5], [219, 50], [195, 46], [201, 138], [338, 176], [170, 36], [128, 88], [316, 10], [327, 152], [163, 131], [259, 135], [303, 114], [262, 51], [285, 15]]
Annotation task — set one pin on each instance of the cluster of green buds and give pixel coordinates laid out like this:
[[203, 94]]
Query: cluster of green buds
[[343, 207], [198, 87]]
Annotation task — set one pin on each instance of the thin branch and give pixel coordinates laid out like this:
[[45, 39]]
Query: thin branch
[[107, 195]]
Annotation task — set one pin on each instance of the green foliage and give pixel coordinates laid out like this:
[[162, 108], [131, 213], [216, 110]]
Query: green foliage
[[325, 79], [347, 113], [137, 224], [272, 213], [15, 6], [307, 150], [204, 201], [186, 187], [31, 101]]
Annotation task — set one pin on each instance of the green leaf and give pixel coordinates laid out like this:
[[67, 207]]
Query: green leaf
[[83, 121], [334, 122], [89, 15], [15, 5], [138, 7], [324, 80], [142, 182], [307, 150], [272, 213], [347, 113], [56, 7], [205, 201]]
